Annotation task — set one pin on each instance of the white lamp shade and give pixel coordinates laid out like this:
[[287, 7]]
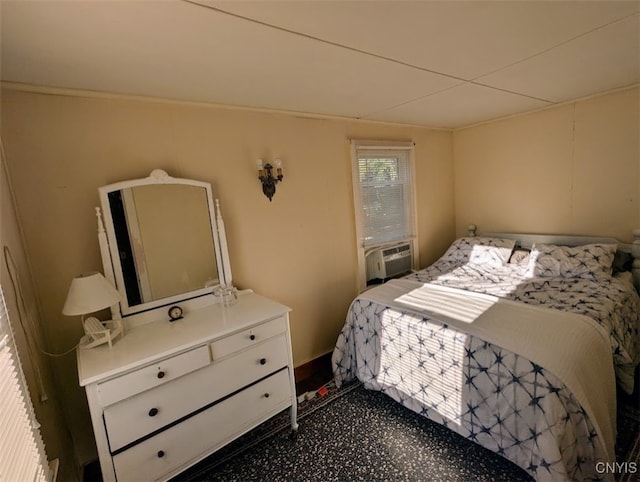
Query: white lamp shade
[[88, 293]]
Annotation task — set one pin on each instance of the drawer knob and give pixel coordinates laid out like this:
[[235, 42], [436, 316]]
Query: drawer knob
[[160, 454], [252, 337], [153, 412], [263, 361], [160, 374], [266, 395]]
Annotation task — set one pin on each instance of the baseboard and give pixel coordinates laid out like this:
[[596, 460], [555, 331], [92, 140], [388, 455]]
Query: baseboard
[[320, 365]]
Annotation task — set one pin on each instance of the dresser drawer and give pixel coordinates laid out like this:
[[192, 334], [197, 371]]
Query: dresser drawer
[[171, 451], [144, 413], [153, 375], [247, 338]]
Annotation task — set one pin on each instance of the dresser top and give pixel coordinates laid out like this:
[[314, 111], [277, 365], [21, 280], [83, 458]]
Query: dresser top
[[154, 341]]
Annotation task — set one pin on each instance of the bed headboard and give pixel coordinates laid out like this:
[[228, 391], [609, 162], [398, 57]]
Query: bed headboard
[[526, 240]]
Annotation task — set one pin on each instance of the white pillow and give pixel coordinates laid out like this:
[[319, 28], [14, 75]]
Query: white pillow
[[479, 250]]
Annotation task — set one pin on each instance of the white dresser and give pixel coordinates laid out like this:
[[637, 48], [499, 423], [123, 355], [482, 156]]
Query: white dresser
[[168, 394]]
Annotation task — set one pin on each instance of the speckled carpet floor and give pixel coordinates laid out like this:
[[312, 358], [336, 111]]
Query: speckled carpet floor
[[356, 434]]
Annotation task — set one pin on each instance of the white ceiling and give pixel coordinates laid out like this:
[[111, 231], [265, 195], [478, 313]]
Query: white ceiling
[[440, 64]]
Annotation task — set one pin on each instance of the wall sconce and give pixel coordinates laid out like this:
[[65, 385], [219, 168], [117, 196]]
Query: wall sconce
[[269, 181]]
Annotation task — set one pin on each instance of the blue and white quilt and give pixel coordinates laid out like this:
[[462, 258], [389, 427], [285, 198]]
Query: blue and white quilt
[[491, 395]]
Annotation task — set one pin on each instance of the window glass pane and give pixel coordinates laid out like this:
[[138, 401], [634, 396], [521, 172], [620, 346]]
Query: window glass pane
[[378, 170], [384, 213], [385, 192]]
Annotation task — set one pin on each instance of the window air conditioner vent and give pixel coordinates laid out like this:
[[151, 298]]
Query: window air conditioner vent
[[387, 262]]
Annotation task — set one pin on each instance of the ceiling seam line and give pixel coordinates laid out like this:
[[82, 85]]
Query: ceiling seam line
[[414, 99], [511, 92], [379, 111], [537, 54], [325, 41], [400, 62], [475, 81], [472, 81]]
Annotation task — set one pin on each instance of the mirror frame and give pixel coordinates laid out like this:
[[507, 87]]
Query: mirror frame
[[109, 247]]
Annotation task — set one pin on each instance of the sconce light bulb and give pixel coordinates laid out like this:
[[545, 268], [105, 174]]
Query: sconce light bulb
[[278, 163], [259, 163]]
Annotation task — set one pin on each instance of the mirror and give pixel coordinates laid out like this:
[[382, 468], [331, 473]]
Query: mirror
[[162, 240]]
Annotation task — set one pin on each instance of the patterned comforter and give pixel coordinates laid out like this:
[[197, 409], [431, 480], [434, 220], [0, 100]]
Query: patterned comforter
[[490, 395], [613, 302]]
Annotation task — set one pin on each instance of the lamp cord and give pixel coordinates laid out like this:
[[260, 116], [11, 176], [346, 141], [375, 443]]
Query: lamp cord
[[22, 308]]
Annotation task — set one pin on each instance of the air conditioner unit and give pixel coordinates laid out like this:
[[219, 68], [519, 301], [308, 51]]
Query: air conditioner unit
[[389, 261]]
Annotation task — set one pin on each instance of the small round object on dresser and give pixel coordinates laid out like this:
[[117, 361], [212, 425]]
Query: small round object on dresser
[[175, 313]]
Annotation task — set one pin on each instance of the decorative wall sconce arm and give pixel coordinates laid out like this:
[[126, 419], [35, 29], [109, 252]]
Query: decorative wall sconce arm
[[269, 181]]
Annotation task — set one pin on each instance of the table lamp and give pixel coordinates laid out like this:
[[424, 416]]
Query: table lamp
[[88, 293]]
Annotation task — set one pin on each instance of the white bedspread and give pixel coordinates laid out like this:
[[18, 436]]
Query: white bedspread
[[612, 303], [573, 347]]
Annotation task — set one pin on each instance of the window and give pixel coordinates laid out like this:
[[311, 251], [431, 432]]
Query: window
[[22, 455], [383, 181]]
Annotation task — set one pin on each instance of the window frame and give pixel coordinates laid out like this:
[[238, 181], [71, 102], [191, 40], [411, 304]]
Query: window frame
[[408, 148]]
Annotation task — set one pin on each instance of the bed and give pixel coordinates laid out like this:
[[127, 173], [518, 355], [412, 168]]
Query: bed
[[516, 342]]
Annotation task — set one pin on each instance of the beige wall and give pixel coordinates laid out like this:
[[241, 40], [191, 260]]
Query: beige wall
[[26, 323], [570, 169], [298, 249], [573, 169]]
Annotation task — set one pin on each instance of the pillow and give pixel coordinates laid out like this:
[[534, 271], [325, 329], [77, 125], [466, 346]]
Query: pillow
[[590, 261], [479, 250], [520, 256]]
